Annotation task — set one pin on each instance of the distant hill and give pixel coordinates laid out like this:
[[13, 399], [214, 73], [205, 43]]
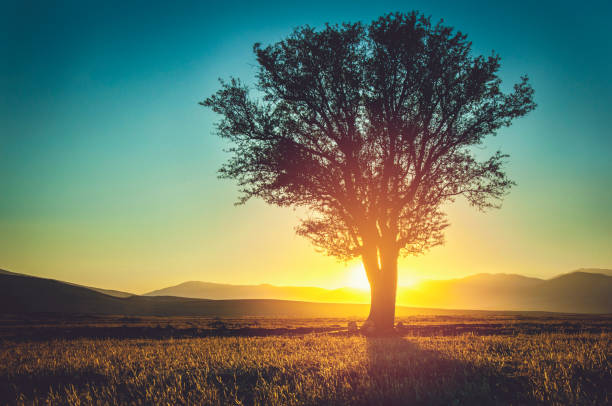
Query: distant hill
[[607, 272], [37, 295], [575, 292], [207, 290], [110, 292]]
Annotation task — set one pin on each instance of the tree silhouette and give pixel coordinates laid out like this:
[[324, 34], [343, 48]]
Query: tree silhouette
[[372, 129]]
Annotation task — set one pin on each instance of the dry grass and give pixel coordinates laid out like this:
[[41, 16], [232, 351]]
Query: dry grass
[[313, 369], [44, 327]]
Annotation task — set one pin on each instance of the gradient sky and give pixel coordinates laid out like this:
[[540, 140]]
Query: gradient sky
[[108, 165]]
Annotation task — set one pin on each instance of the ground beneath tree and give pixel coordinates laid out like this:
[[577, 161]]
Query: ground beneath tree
[[429, 361]]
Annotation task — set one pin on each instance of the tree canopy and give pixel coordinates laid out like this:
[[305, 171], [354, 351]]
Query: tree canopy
[[372, 129]]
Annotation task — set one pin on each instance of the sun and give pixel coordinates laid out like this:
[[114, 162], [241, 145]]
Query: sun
[[357, 278]]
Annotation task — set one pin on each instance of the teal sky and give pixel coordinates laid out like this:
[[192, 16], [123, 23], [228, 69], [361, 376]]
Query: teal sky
[[108, 165]]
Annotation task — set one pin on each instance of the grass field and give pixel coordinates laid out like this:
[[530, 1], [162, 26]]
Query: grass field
[[567, 360]]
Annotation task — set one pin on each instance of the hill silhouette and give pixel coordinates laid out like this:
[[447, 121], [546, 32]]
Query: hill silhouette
[[25, 294], [20, 294], [575, 292], [602, 271], [111, 292], [207, 290]]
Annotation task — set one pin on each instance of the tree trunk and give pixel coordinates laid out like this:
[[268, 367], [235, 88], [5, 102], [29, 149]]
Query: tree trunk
[[383, 291]]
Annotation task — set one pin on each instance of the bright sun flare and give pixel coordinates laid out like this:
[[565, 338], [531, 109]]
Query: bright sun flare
[[357, 278]]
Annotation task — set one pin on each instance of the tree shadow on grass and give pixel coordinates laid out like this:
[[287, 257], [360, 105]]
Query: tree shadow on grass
[[36, 384], [403, 373], [389, 371]]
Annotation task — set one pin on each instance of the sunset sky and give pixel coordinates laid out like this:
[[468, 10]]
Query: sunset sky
[[108, 165]]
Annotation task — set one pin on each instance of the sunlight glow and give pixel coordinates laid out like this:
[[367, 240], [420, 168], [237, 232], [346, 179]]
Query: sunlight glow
[[407, 279], [357, 277]]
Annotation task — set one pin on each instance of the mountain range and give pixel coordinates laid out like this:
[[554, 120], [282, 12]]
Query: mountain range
[[581, 291], [207, 290]]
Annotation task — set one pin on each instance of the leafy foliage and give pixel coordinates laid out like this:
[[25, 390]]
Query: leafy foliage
[[371, 128]]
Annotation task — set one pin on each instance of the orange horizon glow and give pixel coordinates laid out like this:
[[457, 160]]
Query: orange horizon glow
[[109, 166], [357, 278]]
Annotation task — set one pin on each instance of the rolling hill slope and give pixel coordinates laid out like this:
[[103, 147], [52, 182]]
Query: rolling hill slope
[[37, 295], [207, 290], [576, 292], [110, 292]]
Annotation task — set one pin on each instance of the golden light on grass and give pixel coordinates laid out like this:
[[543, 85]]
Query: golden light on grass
[[549, 368]]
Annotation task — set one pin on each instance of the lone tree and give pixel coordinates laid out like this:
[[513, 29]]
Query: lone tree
[[372, 129]]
